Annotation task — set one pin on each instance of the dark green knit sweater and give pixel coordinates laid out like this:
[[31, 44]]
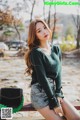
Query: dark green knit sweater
[[47, 66]]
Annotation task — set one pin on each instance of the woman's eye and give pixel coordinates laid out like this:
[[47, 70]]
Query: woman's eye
[[39, 31]]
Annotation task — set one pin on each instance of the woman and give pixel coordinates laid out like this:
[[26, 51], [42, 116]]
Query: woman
[[44, 66]]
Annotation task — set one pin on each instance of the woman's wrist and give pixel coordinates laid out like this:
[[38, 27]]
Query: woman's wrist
[[53, 103], [60, 99]]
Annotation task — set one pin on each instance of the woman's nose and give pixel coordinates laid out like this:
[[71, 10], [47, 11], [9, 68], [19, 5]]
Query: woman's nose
[[44, 32]]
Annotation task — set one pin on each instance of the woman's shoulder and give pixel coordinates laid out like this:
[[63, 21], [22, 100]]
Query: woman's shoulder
[[36, 51]]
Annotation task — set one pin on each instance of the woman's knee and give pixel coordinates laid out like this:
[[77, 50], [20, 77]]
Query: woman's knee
[[76, 118], [49, 114]]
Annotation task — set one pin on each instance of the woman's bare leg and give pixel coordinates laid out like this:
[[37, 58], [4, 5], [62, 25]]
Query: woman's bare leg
[[49, 114], [69, 110]]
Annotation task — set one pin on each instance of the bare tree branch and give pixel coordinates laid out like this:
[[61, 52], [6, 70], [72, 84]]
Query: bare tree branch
[[74, 20], [44, 11], [77, 24], [53, 31], [32, 10]]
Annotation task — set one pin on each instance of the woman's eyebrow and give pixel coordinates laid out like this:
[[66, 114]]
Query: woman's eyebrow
[[40, 28]]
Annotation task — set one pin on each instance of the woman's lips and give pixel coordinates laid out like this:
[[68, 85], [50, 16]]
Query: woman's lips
[[45, 36]]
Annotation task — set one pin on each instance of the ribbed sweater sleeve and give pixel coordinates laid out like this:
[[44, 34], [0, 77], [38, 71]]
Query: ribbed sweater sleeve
[[36, 60], [58, 78]]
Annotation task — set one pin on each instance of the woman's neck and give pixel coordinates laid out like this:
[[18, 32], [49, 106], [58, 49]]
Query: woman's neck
[[46, 48], [45, 45]]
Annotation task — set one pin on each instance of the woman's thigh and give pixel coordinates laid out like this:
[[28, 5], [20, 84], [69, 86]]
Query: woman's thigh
[[49, 114], [69, 110]]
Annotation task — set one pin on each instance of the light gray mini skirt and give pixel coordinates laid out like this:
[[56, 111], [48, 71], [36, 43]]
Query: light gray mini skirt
[[39, 98]]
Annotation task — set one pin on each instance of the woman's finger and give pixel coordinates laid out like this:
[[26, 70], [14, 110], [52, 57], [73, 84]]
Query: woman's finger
[[59, 111]]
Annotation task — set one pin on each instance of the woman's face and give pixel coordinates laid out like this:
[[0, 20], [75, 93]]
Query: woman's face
[[42, 32]]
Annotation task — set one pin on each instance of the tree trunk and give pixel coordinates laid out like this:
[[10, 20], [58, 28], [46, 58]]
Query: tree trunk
[[78, 38], [49, 17], [32, 10], [53, 31], [44, 11], [17, 31]]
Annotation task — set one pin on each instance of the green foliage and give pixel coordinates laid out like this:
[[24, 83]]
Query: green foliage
[[67, 47], [69, 33], [21, 27], [8, 33], [70, 37], [55, 36], [63, 38]]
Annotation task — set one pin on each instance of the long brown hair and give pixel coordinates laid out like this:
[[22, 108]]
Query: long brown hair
[[32, 42]]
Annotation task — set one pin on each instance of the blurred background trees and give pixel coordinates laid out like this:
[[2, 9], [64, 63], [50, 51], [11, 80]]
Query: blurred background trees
[[14, 22], [77, 25], [8, 23]]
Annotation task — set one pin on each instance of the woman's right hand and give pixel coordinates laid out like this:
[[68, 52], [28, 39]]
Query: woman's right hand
[[58, 110]]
